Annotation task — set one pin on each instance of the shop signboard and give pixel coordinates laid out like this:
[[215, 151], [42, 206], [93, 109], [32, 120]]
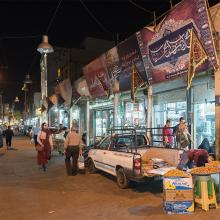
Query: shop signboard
[[97, 78], [65, 89], [129, 54], [168, 46]]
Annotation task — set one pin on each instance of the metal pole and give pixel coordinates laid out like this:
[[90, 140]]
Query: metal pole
[[149, 111], [116, 110], [25, 102], [217, 104], [87, 121], [45, 72]]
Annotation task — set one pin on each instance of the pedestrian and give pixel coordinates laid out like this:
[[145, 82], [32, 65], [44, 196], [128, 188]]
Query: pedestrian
[[73, 148], [167, 134], [184, 136], [1, 138], [176, 131], [8, 137], [44, 138], [35, 132]]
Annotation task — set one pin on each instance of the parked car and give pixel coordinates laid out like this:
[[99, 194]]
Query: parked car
[[120, 154]]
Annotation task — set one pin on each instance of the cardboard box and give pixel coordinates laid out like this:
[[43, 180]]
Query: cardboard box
[[177, 183], [186, 207], [178, 195]]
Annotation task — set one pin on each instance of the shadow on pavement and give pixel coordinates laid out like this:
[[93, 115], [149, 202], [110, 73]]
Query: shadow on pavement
[[146, 210], [151, 185]]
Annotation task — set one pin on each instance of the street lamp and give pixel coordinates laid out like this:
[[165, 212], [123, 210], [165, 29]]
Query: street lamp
[[44, 48], [16, 99], [27, 79], [25, 89]]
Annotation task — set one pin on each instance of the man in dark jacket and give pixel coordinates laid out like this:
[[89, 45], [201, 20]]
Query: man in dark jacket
[[8, 136]]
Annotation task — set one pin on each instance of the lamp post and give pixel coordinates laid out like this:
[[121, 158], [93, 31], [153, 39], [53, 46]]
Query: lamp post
[[27, 79], [44, 48], [25, 89]]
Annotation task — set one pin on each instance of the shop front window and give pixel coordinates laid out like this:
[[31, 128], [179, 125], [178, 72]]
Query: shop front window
[[54, 117], [104, 120], [204, 123], [134, 114], [64, 118], [172, 111]]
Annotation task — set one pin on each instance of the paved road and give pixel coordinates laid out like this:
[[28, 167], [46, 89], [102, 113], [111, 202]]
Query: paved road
[[26, 192]]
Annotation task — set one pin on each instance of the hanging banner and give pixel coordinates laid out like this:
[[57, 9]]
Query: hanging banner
[[111, 59], [81, 87], [129, 53], [197, 56], [53, 99], [136, 82], [168, 46], [93, 72], [65, 90]]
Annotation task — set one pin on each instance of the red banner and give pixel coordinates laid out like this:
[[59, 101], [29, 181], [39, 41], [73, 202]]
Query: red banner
[[96, 68], [167, 48]]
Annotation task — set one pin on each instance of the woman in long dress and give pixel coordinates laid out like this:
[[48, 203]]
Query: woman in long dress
[[44, 138]]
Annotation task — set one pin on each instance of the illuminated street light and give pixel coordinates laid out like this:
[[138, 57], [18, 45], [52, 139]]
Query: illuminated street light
[[27, 79], [44, 48], [16, 99]]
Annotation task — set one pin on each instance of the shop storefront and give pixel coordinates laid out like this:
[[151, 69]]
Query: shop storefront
[[204, 112], [102, 118], [132, 114], [169, 105], [59, 116], [170, 102]]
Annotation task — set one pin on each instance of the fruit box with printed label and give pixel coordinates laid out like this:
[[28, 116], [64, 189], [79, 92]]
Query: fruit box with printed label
[[178, 195], [177, 183], [186, 207]]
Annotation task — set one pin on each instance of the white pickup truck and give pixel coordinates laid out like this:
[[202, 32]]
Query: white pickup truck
[[121, 156]]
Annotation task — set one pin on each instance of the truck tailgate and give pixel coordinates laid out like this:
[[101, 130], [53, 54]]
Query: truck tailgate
[[157, 172]]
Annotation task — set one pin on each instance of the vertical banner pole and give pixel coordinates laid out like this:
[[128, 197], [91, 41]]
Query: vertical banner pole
[[149, 111], [217, 103], [87, 121], [116, 110]]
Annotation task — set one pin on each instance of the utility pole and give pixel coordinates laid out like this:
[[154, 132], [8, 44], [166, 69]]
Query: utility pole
[[217, 101]]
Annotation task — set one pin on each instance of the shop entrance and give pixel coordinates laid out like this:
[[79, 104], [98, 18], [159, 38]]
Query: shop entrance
[[135, 114], [172, 111], [104, 120]]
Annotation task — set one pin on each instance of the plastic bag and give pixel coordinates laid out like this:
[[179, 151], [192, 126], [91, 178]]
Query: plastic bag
[[32, 141], [81, 164]]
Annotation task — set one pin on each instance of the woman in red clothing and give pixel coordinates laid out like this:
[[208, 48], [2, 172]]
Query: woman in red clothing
[[44, 138], [167, 134]]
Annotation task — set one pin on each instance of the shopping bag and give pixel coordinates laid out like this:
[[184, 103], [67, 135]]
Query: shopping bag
[[81, 164]]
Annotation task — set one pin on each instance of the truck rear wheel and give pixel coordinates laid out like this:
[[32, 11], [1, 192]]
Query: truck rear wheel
[[122, 180], [91, 166]]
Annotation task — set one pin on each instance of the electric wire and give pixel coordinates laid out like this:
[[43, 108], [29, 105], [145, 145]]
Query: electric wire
[[20, 37], [95, 19], [140, 7], [53, 17]]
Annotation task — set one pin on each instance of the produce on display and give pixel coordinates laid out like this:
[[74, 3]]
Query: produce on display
[[205, 170], [177, 173]]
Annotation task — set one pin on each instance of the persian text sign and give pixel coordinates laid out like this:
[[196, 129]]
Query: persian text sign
[[96, 68], [168, 47], [171, 46], [170, 54], [129, 54]]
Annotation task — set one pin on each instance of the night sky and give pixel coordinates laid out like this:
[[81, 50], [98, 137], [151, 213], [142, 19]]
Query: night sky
[[22, 22]]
